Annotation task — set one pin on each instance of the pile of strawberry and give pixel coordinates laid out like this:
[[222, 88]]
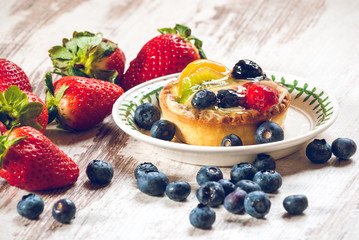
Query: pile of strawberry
[[92, 79]]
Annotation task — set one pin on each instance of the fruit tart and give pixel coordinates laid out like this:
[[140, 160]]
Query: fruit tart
[[208, 101]]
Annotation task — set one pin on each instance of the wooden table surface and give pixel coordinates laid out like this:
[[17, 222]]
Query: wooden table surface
[[313, 39]]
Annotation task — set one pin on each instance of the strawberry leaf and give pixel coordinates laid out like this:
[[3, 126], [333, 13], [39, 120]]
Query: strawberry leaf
[[32, 123], [14, 96], [31, 110]]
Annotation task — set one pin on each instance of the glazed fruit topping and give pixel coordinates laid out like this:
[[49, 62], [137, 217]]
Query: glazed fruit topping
[[204, 98], [247, 69], [261, 97], [229, 98]]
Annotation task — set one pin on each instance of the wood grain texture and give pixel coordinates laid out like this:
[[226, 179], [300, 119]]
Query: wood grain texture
[[314, 39]]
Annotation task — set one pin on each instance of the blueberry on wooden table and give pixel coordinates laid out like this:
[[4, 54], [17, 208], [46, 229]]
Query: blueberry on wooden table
[[211, 194], [234, 202], [163, 129], [227, 185], [248, 186], [257, 204], [30, 206], [295, 204], [152, 183], [204, 98], [208, 173], [99, 171], [64, 211], [269, 180], [178, 191], [264, 162], [145, 167], [318, 151], [344, 148], [146, 115], [268, 132], [231, 140], [202, 216], [242, 171]]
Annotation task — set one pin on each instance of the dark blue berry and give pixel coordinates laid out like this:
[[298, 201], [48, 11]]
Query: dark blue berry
[[144, 167], [295, 204], [248, 186], [208, 173], [30, 206], [204, 98], [247, 69], [318, 151], [257, 204], [231, 140], [211, 194], [99, 171], [202, 217], [178, 191], [146, 115], [64, 211], [163, 129], [234, 202], [264, 162], [268, 132], [152, 183], [344, 148], [229, 98], [269, 180], [227, 185], [242, 171]]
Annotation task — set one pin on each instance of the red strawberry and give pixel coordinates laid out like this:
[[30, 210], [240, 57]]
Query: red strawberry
[[2, 128], [165, 54], [30, 161], [22, 108], [12, 74], [89, 55], [261, 97], [80, 103]]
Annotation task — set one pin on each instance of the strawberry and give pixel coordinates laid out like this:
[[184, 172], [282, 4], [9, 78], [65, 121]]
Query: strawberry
[[22, 108], [12, 74], [89, 55], [80, 103], [30, 161], [261, 97], [165, 54], [2, 128]]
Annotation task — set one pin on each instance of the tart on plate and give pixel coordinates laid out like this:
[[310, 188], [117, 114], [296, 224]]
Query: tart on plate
[[208, 101]]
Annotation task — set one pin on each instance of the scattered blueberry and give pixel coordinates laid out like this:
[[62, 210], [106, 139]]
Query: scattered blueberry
[[163, 129], [178, 191], [264, 162], [145, 167], [231, 140], [146, 115], [99, 171], [295, 204], [318, 151], [229, 98], [257, 204], [247, 69], [344, 148], [234, 202], [64, 211], [202, 216], [242, 171], [152, 183], [269, 180], [248, 186], [208, 173], [268, 132], [227, 185], [211, 194], [204, 98], [30, 206]]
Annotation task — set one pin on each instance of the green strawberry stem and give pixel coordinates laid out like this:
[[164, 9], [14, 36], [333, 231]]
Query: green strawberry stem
[[5, 144], [185, 33]]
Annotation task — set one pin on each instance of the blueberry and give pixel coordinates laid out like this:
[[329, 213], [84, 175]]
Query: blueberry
[[269, 180], [242, 171], [152, 183], [146, 115], [99, 171], [202, 217], [211, 194], [295, 204], [318, 151], [231, 140], [204, 98], [268, 132], [30, 206], [144, 167], [257, 204], [234, 202], [227, 185], [229, 98], [64, 211], [163, 129], [208, 173], [248, 186], [264, 162], [344, 148], [178, 191], [247, 69]]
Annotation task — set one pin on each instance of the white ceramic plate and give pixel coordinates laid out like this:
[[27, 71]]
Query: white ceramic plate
[[311, 112]]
